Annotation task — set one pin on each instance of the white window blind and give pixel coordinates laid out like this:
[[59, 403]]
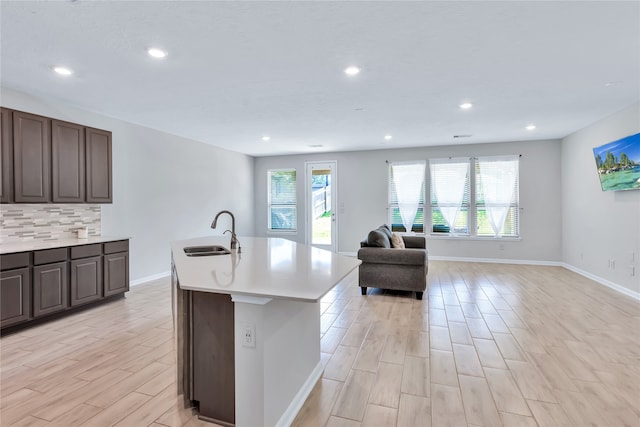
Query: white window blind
[[406, 196], [497, 195], [450, 195], [282, 214], [475, 197]]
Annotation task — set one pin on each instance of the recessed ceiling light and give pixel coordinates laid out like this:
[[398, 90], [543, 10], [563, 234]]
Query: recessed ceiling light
[[63, 71], [388, 137], [156, 53], [352, 71], [266, 138], [530, 127], [466, 105]]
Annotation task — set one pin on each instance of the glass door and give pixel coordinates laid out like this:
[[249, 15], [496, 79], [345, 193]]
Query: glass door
[[321, 205]]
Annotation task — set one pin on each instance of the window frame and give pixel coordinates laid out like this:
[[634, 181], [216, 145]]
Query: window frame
[[293, 205]]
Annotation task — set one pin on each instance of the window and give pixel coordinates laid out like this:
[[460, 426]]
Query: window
[[482, 203], [282, 200], [497, 195], [450, 195], [406, 196]]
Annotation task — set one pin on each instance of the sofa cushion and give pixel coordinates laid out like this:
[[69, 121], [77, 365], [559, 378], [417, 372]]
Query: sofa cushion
[[396, 241], [378, 239], [415, 257]]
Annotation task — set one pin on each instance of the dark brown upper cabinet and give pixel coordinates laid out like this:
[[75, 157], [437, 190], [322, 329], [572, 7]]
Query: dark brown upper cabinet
[[44, 160], [6, 153], [67, 162], [31, 158], [98, 165]]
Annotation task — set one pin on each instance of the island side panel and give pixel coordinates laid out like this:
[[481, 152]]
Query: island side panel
[[292, 345], [182, 333], [274, 378]]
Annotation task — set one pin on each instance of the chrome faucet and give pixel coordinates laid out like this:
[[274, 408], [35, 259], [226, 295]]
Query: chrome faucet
[[234, 240]]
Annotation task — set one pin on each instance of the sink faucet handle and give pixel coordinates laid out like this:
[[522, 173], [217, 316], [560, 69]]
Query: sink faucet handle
[[234, 240]]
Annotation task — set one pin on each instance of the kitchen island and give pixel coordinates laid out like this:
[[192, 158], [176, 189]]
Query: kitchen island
[[248, 326]]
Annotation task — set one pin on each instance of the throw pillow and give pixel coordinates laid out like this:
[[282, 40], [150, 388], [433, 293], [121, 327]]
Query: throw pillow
[[386, 230], [377, 238], [396, 241]]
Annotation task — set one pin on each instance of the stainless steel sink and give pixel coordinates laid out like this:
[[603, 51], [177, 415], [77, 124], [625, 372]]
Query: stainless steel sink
[[206, 250]]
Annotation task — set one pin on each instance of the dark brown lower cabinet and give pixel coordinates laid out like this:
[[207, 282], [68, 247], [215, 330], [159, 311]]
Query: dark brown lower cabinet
[[37, 283], [86, 280], [116, 273], [213, 355], [15, 296], [50, 288]]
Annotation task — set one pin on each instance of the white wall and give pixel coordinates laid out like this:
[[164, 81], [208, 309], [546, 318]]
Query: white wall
[[164, 187], [600, 226], [362, 190]]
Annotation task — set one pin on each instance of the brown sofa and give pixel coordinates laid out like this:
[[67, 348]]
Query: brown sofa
[[389, 268]]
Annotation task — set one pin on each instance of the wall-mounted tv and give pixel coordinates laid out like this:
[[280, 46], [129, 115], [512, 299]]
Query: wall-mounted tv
[[618, 164]]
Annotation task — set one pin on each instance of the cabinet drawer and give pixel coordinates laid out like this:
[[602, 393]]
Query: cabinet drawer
[[85, 251], [119, 246], [49, 256], [9, 261]]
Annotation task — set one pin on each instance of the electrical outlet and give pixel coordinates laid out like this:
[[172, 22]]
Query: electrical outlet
[[249, 336]]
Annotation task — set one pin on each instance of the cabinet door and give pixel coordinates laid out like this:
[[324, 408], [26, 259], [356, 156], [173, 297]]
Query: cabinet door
[[31, 158], [98, 166], [116, 273], [67, 162], [6, 163], [15, 298], [50, 288], [213, 347], [86, 280]]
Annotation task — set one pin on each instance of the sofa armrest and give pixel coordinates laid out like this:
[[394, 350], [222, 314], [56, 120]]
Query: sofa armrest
[[393, 256], [416, 242]]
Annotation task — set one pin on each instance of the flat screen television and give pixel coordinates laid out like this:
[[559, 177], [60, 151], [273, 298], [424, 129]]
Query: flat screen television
[[618, 164]]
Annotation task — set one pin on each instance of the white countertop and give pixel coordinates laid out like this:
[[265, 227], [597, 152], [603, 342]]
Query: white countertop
[[266, 267], [36, 245]]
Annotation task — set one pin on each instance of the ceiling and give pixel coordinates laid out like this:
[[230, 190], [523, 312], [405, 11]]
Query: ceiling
[[237, 71]]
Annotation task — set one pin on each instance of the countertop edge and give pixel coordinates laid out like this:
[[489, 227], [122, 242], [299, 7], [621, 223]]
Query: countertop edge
[[264, 295], [37, 245]]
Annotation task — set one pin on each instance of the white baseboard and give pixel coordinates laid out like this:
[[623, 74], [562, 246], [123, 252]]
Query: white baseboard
[[351, 254], [609, 284], [146, 279], [496, 260], [294, 407]]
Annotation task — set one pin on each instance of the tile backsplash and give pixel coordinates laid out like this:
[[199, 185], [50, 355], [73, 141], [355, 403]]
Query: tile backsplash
[[24, 222]]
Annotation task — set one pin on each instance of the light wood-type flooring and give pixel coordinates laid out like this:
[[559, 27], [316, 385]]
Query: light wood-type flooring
[[489, 345]]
